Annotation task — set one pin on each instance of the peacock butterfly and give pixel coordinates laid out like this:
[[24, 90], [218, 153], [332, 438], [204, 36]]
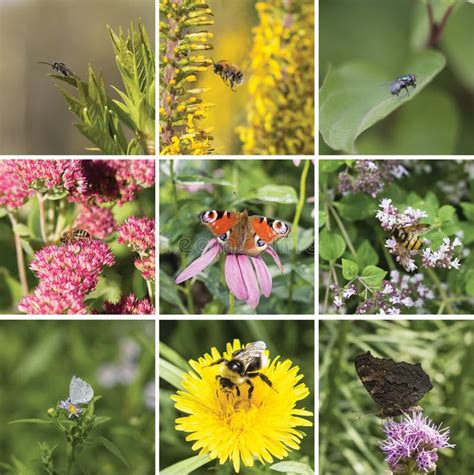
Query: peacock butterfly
[[239, 233]]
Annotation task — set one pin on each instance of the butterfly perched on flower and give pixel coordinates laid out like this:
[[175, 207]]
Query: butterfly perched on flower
[[239, 233]]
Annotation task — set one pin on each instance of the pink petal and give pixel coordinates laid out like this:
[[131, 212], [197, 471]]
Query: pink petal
[[233, 277], [263, 275], [276, 258], [209, 253], [250, 280]]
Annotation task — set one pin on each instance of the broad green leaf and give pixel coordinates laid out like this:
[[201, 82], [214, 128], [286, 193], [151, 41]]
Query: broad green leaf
[[186, 466], [329, 166], [21, 230], [3, 212], [366, 255], [171, 373], [373, 276], [352, 101], [446, 213], [292, 467], [277, 194], [427, 125], [468, 209], [357, 206], [349, 269], [331, 245]]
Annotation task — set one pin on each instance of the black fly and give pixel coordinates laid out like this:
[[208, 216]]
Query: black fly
[[402, 83], [60, 68]]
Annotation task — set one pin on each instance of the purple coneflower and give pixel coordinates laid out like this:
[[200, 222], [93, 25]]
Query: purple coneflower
[[245, 276]]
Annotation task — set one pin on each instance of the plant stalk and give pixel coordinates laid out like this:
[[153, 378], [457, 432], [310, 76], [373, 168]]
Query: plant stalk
[[20, 260]]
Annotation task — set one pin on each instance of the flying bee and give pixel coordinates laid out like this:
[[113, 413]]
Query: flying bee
[[243, 366], [402, 83], [60, 68], [73, 235], [230, 73]]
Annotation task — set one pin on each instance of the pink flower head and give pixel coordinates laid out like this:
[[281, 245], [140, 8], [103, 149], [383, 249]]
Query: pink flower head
[[12, 192], [117, 180], [67, 274], [98, 222], [129, 305], [138, 233], [146, 265], [247, 277]]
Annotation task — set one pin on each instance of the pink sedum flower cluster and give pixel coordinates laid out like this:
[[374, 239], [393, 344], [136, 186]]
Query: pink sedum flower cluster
[[129, 305], [139, 234], [67, 273], [98, 222]]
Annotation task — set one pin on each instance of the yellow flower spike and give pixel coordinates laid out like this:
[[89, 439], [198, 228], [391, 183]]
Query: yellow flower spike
[[230, 427]]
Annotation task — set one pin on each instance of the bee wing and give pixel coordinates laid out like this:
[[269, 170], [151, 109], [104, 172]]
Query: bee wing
[[251, 352], [416, 228]]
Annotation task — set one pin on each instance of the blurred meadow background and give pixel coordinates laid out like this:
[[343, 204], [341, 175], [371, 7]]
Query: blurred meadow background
[[271, 188], [34, 117], [181, 341], [272, 112], [364, 45], [37, 361], [350, 431]]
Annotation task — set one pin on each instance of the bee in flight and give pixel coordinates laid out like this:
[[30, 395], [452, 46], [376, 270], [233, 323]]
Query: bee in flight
[[402, 83], [60, 68], [408, 238], [73, 235], [230, 73], [243, 366]]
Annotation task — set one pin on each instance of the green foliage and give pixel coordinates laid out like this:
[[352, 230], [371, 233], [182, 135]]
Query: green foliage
[[352, 243], [357, 112], [101, 118], [349, 429], [268, 188], [114, 434]]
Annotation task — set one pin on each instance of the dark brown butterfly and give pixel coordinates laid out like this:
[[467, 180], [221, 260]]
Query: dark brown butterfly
[[394, 387]]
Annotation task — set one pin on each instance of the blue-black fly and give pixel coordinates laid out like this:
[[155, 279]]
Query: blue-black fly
[[60, 68]]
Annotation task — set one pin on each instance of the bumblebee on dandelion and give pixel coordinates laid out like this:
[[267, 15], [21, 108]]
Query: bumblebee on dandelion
[[244, 406]]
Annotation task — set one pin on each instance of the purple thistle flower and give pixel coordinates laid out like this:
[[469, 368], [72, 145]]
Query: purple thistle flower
[[73, 410], [245, 276], [413, 442], [67, 274]]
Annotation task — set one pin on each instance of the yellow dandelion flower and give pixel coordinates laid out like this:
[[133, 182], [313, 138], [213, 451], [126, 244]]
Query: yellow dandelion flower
[[228, 426]]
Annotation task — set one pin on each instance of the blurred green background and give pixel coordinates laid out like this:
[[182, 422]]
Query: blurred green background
[[37, 361], [121, 279], [34, 117], [350, 431], [234, 186], [385, 34], [292, 340]]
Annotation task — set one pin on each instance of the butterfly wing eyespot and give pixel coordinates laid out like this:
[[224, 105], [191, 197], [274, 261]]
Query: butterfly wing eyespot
[[219, 222], [269, 229]]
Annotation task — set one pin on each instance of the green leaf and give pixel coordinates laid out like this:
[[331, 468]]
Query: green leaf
[[200, 179], [292, 467], [112, 448], [186, 466], [329, 166], [171, 373], [366, 255], [31, 421], [351, 100], [277, 194], [355, 207], [373, 276], [331, 245], [446, 213], [3, 212], [172, 356], [468, 209], [323, 217], [22, 230], [349, 269], [470, 282]]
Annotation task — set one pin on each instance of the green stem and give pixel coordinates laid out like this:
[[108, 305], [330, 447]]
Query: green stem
[[231, 303], [344, 233], [42, 217], [442, 292], [20, 260], [71, 460], [173, 184], [294, 236]]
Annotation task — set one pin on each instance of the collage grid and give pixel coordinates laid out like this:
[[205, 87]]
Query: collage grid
[[187, 368]]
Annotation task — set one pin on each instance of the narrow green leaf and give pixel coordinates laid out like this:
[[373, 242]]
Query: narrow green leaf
[[31, 421], [112, 448], [173, 356], [186, 466], [292, 467], [171, 373]]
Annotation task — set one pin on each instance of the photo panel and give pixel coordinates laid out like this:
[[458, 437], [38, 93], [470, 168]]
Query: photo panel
[[236, 397], [79, 394], [77, 77], [77, 237], [236, 237]]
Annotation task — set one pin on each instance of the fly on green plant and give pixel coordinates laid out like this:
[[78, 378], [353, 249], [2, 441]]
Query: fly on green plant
[[402, 83]]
